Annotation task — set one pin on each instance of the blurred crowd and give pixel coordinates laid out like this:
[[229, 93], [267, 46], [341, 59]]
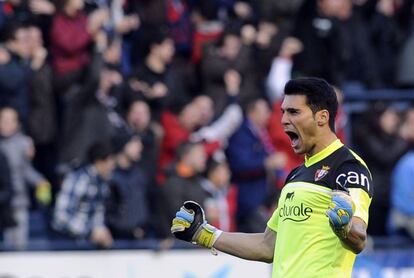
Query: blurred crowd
[[114, 112]]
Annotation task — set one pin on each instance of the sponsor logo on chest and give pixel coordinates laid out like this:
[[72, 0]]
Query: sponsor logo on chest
[[294, 212]]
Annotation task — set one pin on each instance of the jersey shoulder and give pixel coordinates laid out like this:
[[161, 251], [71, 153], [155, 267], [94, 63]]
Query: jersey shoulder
[[353, 172]]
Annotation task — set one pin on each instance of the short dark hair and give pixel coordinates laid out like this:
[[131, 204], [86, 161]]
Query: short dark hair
[[153, 35], [99, 150], [250, 103], [185, 148], [319, 95], [10, 30]]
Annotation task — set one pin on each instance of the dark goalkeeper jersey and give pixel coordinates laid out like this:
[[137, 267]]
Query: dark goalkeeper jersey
[[306, 246]]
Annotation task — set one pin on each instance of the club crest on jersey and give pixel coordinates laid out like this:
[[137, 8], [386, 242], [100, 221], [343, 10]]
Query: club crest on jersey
[[320, 173]]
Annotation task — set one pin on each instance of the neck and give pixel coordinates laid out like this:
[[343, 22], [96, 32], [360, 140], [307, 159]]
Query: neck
[[99, 169], [325, 140], [70, 12], [155, 64]]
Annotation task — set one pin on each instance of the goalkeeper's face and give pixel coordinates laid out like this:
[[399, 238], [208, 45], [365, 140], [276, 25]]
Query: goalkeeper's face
[[300, 123]]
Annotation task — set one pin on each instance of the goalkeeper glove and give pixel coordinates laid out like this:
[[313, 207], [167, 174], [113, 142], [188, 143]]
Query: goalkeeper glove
[[340, 212], [190, 225], [43, 193]]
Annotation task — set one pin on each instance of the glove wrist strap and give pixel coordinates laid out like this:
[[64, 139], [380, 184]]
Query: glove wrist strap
[[207, 235], [217, 234]]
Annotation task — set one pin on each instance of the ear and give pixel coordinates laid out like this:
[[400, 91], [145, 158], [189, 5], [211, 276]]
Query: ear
[[322, 117]]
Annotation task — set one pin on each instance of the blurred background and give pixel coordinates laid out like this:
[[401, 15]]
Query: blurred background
[[114, 112]]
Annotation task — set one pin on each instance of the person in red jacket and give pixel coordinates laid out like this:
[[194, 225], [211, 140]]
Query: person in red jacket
[[177, 129], [71, 37]]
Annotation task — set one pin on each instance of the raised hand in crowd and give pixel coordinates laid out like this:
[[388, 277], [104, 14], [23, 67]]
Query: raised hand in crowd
[[158, 90], [265, 32], [128, 23], [97, 19], [38, 58], [290, 47]]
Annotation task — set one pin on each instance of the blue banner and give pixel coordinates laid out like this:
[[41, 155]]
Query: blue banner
[[385, 264]]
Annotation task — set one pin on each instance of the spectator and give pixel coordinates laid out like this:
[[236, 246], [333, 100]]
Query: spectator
[[139, 122], [402, 190], [253, 161], [285, 8], [377, 132], [195, 122], [179, 23], [42, 121], [127, 211], [19, 150], [360, 64], [15, 72], [152, 13], [207, 28], [221, 204], [220, 129], [281, 68], [177, 129], [268, 42], [12, 10], [155, 80], [228, 54], [122, 23], [405, 60], [319, 31], [6, 193], [386, 36], [184, 183], [92, 114], [79, 211], [71, 49]]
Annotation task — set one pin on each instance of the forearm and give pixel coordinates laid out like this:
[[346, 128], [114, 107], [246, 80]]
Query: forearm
[[356, 238], [245, 246]]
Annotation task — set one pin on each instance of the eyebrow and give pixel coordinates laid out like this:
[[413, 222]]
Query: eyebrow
[[290, 109]]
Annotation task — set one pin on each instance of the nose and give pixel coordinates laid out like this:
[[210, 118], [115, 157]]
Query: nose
[[285, 119]]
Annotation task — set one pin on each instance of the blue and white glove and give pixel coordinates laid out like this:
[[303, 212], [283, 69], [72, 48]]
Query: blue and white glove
[[190, 225], [340, 211]]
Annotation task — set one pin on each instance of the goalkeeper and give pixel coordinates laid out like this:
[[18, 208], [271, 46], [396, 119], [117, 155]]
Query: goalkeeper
[[321, 219]]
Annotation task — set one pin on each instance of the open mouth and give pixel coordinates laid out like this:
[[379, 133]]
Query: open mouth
[[294, 138]]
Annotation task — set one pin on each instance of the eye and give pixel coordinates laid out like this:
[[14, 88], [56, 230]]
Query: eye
[[293, 111]]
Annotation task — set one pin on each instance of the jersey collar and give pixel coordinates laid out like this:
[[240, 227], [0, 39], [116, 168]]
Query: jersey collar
[[309, 161]]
